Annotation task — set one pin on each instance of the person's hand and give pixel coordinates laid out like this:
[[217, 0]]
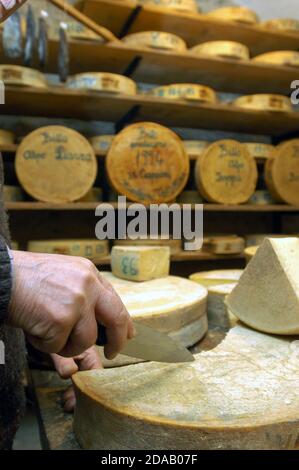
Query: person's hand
[[8, 7], [59, 301], [67, 367]]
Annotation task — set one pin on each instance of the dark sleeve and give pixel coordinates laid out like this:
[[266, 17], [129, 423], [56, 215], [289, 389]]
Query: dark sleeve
[[5, 280]]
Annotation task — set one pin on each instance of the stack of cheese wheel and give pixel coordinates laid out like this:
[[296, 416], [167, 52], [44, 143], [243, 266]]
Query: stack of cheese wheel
[[55, 164], [184, 6], [288, 58], [262, 197], [94, 195], [226, 173], [101, 144], [22, 76], [259, 151], [225, 49], [190, 197], [156, 40], [214, 278], [236, 14], [147, 163], [174, 245], [91, 249], [250, 252], [264, 102], [282, 172], [6, 137], [242, 395], [283, 24], [195, 148], [103, 81], [12, 193], [224, 245], [185, 91]]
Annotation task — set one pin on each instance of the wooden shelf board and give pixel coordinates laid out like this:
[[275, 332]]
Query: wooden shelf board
[[63, 103], [9, 148], [114, 14]]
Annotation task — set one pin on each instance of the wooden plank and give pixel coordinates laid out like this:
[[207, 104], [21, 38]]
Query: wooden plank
[[59, 102], [114, 14]]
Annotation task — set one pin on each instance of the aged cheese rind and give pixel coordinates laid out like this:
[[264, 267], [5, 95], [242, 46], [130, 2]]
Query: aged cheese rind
[[22, 76], [214, 278], [187, 91], [241, 395], [226, 49], [156, 40], [270, 283], [287, 58], [236, 14], [91, 249], [265, 102], [140, 263], [103, 81]]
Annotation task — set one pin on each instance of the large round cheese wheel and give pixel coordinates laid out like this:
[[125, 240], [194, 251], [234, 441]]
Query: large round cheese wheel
[[226, 49], [185, 91], [282, 172], [289, 58], [56, 164], [241, 395], [218, 314], [101, 144], [22, 76], [103, 81], [91, 249], [174, 245], [212, 278], [226, 173], [259, 151], [236, 14], [148, 163], [283, 24], [264, 102], [6, 137], [12, 193], [195, 148], [225, 245], [156, 40], [184, 6], [262, 198]]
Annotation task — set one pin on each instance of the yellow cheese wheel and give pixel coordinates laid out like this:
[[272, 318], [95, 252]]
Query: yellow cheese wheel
[[103, 81], [101, 144], [214, 278], [56, 164], [282, 172], [226, 173], [148, 163], [262, 198], [236, 14], [94, 195], [250, 252], [260, 151], [184, 6], [185, 91], [12, 193], [91, 249], [190, 197], [195, 148], [6, 137], [283, 24], [225, 49], [264, 102], [22, 76], [174, 245], [156, 40], [225, 245], [288, 58]]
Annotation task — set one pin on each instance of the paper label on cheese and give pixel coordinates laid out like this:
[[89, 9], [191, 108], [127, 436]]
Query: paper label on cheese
[[102, 81], [156, 40], [226, 49], [265, 102]]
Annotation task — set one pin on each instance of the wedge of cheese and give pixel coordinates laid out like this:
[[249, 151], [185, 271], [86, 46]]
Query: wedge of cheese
[[156, 40], [22, 76], [242, 395], [267, 295], [264, 102], [214, 278], [142, 263], [187, 91], [184, 6], [225, 49], [286, 58], [283, 24], [91, 249], [103, 81], [236, 14], [218, 313]]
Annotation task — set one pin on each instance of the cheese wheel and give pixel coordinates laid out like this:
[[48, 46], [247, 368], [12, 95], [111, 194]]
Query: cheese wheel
[[214, 278], [250, 252], [142, 263], [218, 314], [91, 249], [101, 144], [226, 173], [185, 91], [225, 49], [195, 148], [236, 14], [190, 197], [288, 58], [260, 151], [277, 103], [103, 81], [242, 395], [184, 6], [94, 195], [261, 198], [283, 24], [225, 245], [6, 137], [148, 163], [174, 245], [282, 173], [12, 193], [56, 164], [22, 76], [156, 40], [257, 239]]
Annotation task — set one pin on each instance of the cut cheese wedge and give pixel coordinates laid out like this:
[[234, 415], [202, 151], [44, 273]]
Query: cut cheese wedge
[[6, 137], [214, 278], [242, 395], [91, 249], [286, 58], [195, 148], [156, 40], [103, 81], [12, 193], [260, 151], [101, 144], [270, 285], [218, 314], [184, 6], [22, 76], [142, 263], [187, 91], [236, 14], [262, 198], [226, 173], [225, 49], [283, 24], [174, 245], [263, 102]]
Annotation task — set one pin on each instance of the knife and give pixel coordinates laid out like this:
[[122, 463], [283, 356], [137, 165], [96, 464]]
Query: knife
[[151, 345]]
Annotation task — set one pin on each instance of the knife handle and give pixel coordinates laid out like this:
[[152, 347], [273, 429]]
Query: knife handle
[[102, 337]]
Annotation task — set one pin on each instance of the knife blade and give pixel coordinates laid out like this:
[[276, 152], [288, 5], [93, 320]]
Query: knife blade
[[151, 345]]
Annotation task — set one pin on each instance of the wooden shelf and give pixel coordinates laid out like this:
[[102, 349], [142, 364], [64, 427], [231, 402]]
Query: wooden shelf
[[9, 148], [125, 17], [58, 102]]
